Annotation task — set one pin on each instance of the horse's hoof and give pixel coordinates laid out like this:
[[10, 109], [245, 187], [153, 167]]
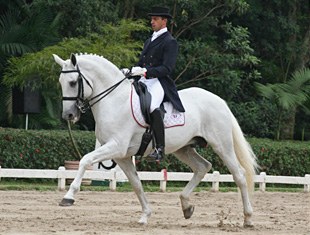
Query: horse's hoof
[[143, 221], [188, 212], [248, 224], [66, 202]]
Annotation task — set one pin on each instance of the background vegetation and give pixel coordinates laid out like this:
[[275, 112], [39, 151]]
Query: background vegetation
[[255, 54], [48, 150]]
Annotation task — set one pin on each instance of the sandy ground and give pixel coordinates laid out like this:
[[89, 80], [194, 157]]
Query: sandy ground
[[33, 212]]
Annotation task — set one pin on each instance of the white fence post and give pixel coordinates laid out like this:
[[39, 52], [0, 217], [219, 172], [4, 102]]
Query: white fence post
[[216, 181], [262, 185], [113, 181], [163, 183], [61, 178], [61, 174], [307, 185]]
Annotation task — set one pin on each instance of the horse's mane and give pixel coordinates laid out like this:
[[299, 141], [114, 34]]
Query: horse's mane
[[90, 55], [98, 58]]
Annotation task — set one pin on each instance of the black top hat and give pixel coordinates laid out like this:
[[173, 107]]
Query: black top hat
[[160, 11]]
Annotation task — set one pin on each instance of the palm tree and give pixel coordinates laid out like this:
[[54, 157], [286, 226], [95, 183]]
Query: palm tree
[[288, 96], [22, 30]]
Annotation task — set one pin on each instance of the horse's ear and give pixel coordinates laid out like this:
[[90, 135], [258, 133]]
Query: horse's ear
[[73, 59], [58, 60]]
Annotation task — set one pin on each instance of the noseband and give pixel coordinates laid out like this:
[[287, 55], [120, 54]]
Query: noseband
[[84, 104]]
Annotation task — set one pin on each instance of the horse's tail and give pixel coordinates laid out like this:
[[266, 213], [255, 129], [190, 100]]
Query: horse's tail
[[245, 154]]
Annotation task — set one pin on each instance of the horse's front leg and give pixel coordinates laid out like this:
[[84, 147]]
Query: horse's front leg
[[129, 169], [68, 199], [105, 152]]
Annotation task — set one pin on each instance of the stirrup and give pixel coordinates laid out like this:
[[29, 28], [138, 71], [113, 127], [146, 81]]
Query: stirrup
[[156, 156]]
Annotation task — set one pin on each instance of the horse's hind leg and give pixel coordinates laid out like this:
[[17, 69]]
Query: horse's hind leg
[[229, 158], [200, 167], [129, 169]]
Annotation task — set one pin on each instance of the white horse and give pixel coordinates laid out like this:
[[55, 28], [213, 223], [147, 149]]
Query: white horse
[[94, 79]]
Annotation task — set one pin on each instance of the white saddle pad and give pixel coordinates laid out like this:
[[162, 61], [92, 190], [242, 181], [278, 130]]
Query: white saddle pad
[[172, 116]]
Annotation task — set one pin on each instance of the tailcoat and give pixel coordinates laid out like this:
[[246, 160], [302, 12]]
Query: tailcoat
[[159, 58]]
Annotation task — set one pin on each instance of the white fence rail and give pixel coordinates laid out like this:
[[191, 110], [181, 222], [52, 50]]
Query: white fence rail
[[115, 176]]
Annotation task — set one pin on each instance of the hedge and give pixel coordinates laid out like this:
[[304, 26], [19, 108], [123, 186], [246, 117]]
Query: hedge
[[45, 149]]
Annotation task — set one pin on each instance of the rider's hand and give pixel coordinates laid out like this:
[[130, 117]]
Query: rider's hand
[[138, 71], [125, 71]]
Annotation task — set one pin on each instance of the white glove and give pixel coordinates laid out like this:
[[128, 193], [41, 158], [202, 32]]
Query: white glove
[[125, 71], [138, 71]]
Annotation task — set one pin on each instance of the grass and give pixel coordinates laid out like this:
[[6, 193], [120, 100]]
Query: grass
[[51, 185]]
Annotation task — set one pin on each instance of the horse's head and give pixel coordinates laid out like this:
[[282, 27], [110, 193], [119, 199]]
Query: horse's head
[[75, 88]]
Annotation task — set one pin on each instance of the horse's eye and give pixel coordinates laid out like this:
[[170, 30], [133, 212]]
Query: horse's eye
[[72, 83]]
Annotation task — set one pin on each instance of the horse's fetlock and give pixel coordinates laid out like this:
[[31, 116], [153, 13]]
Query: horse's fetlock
[[183, 198], [184, 202]]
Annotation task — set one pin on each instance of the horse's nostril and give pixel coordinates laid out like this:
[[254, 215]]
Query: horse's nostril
[[70, 116]]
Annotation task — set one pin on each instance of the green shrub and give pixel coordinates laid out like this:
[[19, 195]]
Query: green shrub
[[290, 158], [49, 149], [42, 149]]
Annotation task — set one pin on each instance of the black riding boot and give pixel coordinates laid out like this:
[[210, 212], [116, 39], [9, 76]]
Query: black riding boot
[[158, 128]]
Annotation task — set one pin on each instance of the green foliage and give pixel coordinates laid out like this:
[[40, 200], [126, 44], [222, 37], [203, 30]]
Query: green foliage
[[251, 115], [114, 42], [221, 46], [15, 27], [280, 37], [49, 149], [81, 17], [282, 157], [24, 28], [292, 93], [41, 149], [224, 70], [279, 30], [194, 18], [288, 96]]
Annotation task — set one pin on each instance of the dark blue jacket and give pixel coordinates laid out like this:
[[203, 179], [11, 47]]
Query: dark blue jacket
[[159, 58]]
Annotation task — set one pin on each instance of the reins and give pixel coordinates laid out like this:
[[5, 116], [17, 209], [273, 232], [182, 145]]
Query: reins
[[84, 104], [106, 92]]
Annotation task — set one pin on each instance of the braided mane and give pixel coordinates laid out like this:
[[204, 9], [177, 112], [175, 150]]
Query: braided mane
[[98, 58]]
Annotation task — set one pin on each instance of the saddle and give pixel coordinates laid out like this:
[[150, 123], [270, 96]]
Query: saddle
[[140, 105], [145, 99]]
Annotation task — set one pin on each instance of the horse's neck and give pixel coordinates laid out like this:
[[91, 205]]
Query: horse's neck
[[102, 72], [113, 105], [112, 113]]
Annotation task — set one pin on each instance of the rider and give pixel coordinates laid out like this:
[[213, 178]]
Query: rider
[[155, 66]]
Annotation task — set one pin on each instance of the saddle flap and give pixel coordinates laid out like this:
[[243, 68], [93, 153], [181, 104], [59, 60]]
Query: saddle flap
[[145, 100]]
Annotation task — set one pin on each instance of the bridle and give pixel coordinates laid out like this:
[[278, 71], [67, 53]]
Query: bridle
[[84, 104]]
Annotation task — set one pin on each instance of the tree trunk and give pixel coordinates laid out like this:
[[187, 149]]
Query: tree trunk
[[288, 125], [300, 57]]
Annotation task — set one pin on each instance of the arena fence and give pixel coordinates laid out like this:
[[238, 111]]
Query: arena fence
[[163, 177]]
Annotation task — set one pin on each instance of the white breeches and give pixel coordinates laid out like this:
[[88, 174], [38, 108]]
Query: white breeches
[[157, 92]]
